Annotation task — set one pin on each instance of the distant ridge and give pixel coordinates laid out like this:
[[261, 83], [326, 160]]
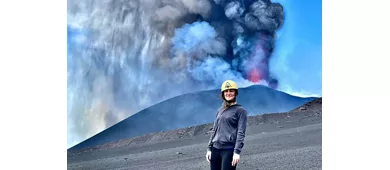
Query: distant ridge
[[312, 109], [193, 109]]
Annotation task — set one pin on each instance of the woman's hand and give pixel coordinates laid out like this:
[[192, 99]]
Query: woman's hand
[[208, 156], [236, 159]]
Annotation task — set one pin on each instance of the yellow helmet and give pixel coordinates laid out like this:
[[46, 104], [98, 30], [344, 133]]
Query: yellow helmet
[[228, 84]]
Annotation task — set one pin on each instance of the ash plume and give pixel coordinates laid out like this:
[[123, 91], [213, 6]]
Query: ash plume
[[130, 54]]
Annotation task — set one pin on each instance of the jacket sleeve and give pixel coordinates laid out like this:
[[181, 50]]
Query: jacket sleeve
[[210, 144], [241, 128]]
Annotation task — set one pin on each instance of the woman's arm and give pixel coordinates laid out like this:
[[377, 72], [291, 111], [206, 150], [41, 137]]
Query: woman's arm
[[210, 144], [211, 137], [241, 128]]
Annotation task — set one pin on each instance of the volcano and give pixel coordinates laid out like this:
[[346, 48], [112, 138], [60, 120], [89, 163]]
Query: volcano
[[193, 109]]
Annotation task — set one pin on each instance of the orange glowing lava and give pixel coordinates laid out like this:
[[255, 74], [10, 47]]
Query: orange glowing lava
[[254, 75]]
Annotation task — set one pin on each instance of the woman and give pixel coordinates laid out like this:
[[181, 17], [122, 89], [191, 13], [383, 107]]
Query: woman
[[228, 133]]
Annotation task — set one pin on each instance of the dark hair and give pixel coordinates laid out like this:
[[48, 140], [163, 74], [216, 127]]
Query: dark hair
[[227, 104]]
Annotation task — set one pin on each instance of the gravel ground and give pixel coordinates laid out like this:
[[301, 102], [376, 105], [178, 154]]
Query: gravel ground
[[290, 140]]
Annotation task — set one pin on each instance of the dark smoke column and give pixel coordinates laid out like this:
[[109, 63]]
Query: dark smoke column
[[255, 24]]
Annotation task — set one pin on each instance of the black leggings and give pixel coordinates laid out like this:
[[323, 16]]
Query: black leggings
[[221, 159]]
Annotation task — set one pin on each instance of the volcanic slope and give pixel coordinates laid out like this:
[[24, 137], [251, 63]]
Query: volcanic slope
[[191, 110], [288, 140]]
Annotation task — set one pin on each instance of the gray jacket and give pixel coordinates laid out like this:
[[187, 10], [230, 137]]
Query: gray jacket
[[229, 129]]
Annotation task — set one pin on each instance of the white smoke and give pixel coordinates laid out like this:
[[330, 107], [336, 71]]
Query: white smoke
[[298, 92], [200, 41], [216, 70], [121, 57], [233, 10]]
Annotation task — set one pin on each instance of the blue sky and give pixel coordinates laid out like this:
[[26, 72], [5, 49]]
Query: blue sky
[[297, 59]]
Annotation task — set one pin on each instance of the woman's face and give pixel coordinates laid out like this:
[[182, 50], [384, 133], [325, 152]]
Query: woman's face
[[229, 94]]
